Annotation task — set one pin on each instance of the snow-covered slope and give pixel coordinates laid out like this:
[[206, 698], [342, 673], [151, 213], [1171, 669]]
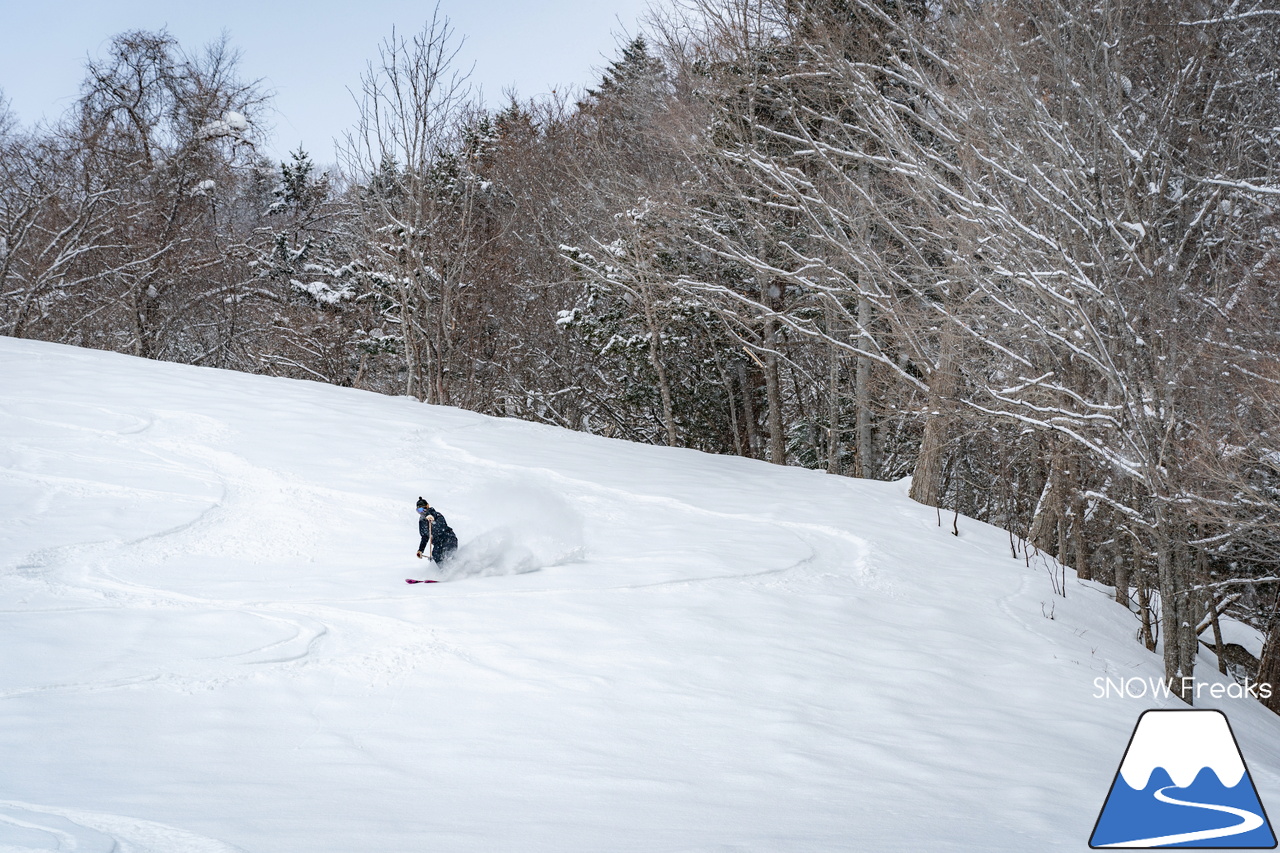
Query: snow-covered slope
[[208, 644]]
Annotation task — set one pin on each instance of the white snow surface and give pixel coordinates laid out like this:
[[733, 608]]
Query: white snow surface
[[1183, 743], [208, 644]]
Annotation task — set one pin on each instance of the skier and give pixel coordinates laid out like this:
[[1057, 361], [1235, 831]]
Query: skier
[[438, 539]]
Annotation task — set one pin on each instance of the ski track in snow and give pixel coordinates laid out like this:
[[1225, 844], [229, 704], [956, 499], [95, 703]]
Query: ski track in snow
[[242, 489], [24, 824], [92, 568], [304, 626], [817, 542]]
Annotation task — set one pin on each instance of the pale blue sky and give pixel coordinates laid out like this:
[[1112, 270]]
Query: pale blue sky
[[309, 54]]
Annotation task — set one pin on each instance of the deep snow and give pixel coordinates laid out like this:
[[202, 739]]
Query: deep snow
[[208, 644]]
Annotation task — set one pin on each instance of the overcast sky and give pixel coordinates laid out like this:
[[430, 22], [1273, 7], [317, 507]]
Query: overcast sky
[[310, 54]]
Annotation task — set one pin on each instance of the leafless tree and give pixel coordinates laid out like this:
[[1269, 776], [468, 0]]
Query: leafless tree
[[418, 195], [53, 220]]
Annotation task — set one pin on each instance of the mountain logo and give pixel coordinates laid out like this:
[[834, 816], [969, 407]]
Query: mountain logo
[[1183, 783]]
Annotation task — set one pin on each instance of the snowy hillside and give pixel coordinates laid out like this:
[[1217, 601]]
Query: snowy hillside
[[208, 644]]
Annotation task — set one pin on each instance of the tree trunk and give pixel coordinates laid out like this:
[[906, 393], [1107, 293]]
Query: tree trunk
[[773, 391], [1122, 579], [137, 298], [1148, 633], [1218, 646], [413, 385], [833, 410], [655, 359], [1042, 533], [748, 411], [1079, 545], [926, 479], [1176, 613], [1269, 666], [862, 399], [664, 391], [1075, 519], [739, 444]]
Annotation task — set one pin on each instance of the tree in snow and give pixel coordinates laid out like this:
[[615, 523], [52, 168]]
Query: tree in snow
[[1123, 236], [308, 279], [171, 133], [53, 220], [418, 198], [133, 189]]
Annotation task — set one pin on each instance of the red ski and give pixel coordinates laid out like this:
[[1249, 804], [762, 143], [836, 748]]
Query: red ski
[[411, 580]]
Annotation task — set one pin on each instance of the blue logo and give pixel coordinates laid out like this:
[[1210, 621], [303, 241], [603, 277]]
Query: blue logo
[[1183, 783]]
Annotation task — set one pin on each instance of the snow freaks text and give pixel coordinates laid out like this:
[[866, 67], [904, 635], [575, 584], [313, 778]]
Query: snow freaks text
[[1153, 687]]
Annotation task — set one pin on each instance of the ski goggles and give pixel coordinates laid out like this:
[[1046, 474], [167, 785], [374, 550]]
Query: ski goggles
[[423, 510]]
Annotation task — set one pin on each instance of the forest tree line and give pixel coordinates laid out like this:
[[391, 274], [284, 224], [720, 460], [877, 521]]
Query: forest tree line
[[1023, 252]]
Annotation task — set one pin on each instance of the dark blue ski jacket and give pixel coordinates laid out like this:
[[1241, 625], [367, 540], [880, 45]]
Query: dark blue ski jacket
[[436, 530]]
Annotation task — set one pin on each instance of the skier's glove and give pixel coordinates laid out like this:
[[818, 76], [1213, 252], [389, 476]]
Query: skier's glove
[[419, 555]]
